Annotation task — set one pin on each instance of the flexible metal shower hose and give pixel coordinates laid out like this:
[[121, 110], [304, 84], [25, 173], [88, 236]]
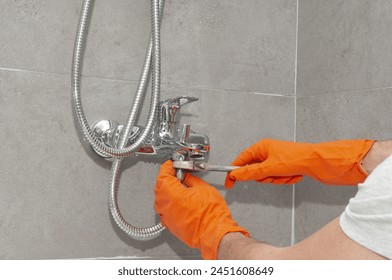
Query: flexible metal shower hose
[[152, 59], [76, 77]]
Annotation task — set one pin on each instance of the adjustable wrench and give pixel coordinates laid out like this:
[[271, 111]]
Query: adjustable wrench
[[201, 166]]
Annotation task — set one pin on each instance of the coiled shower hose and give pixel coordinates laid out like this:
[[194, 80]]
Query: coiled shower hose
[[152, 61]]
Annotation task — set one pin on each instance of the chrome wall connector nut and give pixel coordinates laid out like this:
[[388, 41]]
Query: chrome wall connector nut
[[109, 132]]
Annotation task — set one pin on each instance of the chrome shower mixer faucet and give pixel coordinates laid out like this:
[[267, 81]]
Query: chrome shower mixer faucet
[[168, 140]]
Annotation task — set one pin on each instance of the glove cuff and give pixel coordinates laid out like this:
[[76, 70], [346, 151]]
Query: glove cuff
[[368, 144]]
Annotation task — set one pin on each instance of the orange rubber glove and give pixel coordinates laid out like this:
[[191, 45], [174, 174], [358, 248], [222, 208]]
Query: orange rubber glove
[[196, 214], [284, 162]]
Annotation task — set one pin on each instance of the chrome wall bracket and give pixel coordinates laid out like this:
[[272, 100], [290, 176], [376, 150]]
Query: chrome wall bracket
[[109, 132]]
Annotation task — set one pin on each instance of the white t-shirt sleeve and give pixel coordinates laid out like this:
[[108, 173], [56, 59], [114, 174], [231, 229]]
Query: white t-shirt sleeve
[[367, 218]]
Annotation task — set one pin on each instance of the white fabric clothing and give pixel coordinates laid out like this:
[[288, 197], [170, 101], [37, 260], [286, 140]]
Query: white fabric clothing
[[367, 218]]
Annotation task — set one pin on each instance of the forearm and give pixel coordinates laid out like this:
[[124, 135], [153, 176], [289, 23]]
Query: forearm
[[236, 246], [377, 154]]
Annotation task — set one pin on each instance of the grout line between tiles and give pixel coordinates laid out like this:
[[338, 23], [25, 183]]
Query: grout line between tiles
[[63, 74], [344, 92], [31, 71], [295, 124], [166, 84], [118, 258], [165, 257], [240, 91]]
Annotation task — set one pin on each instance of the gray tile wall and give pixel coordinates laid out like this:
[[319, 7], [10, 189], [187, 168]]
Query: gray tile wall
[[343, 90], [237, 56], [260, 68]]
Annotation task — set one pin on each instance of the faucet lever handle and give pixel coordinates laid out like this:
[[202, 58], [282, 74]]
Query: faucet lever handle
[[183, 100], [169, 116]]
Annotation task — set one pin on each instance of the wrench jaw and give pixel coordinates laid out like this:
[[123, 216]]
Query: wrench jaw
[[190, 166], [183, 163]]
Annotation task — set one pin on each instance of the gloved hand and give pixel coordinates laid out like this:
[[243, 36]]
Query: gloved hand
[[284, 162], [196, 213]]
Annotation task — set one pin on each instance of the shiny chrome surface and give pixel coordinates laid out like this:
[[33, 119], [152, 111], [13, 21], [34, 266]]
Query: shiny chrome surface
[[151, 64], [202, 166], [151, 68], [160, 137], [109, 132], [168, 136], [169, 116]]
